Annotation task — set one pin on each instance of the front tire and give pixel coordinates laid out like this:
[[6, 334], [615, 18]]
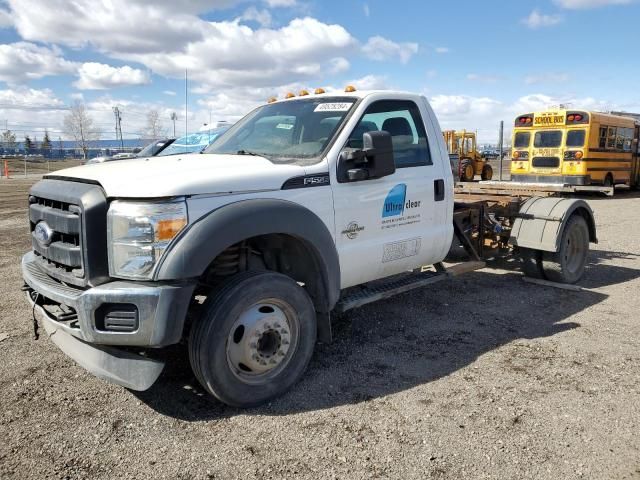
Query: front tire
[[567, 264], [254, 338], [467, 173]]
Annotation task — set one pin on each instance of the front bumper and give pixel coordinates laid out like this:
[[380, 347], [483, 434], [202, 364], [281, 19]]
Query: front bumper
[[162, 308], [580, 180], [108, 363]]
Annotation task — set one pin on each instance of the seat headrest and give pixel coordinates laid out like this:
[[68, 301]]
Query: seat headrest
[[397, 126]]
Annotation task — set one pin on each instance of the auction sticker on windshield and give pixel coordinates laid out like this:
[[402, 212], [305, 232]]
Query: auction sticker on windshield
[[333, 107]]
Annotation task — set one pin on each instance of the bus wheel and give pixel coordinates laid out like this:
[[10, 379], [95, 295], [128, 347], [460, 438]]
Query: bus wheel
[[567, 264], [254, 338], [467, 172], [608, 180], [531, 263], [487, 172]]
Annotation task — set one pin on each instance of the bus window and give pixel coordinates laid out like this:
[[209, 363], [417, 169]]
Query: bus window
[[620, 139], [522, 140], [611, 138], [603, 137], [628, 138], [575, 138], [548, 139]]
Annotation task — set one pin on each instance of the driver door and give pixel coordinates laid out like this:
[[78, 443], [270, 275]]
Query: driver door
[[391, 224]]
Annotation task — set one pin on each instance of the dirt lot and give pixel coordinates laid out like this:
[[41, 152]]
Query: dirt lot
[[481, 377]]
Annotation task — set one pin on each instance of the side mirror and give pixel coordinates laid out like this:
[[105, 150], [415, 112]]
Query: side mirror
[[375, 160]]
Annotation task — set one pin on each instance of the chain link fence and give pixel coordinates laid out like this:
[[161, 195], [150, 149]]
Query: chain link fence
[[25, 167]]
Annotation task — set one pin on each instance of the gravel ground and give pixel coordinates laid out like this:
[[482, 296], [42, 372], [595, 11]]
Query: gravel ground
[[480, 377]]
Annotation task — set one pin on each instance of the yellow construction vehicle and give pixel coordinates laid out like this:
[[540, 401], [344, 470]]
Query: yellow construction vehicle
[[462, 146]]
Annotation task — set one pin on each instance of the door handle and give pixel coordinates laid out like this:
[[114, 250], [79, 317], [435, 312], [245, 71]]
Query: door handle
[[438, 190]]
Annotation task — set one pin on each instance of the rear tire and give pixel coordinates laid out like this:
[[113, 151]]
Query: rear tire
[[531, 263], [487, 172], [254, 338], [608, 180], [567, 264]]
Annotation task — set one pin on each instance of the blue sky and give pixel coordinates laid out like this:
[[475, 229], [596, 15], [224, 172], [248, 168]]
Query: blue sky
[[477, 62]]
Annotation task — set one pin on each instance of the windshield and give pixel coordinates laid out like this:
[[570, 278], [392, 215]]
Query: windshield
[[575, 138], [193, 143], [548, 139], [151, 149], [295, 131], [522, 140]]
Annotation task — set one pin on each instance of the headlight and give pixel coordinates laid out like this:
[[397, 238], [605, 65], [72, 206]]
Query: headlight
[[139, 233]]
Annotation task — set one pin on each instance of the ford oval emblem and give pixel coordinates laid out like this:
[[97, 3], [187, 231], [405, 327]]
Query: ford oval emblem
[[43, 233]]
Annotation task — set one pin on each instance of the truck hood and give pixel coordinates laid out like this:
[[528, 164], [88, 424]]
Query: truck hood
[[178, 175]]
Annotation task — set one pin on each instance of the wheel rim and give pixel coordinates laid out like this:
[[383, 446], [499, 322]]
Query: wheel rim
[[574, 250], [262, 341], [468, 172]]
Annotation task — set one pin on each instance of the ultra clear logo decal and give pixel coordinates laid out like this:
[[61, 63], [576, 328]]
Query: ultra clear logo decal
[[394, 203]]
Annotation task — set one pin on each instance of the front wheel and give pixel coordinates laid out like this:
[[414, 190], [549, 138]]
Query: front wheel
[[467, 173], [254, 339], [567, 264]]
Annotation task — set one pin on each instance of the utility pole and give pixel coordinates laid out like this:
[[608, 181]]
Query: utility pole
[[501, 144], [186, 105], [174, 117], [116, 111]]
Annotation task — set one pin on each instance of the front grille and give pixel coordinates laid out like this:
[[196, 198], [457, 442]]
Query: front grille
[[546, 162], [73, 215], [63, 255]]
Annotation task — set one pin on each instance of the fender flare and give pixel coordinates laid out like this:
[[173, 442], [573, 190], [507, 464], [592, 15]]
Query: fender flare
[[541, 221], [200, 243]]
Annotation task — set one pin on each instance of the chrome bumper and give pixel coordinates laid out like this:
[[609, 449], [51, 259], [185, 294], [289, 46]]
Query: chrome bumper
[[162, 308]]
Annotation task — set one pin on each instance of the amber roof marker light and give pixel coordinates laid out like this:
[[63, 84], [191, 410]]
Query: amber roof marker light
[[350, 88], [318, 91]]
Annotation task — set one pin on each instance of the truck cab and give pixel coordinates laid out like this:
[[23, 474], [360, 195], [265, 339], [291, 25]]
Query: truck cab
[[244, 251]]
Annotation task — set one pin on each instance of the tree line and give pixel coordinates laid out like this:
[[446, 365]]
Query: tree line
[[78, 125]]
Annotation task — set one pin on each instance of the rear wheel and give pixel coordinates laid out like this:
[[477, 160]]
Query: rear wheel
[[487, 172], [254, 339], [608, 180], [531, 263], [567, 264]]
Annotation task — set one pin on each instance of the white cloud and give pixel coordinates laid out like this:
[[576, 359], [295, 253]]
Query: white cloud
[[442, 50], [117, 25], [5, 19], [234, 54], [482, 78], [583, 4], [98, 76], [381, 49], [263, 17], [338, 65], [24, 61], [537, 20], [370, 82], [547, 78], [171, 93], [280, 3], [366, 10]]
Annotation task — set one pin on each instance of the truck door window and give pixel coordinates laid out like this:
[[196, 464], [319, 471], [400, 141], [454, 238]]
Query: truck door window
[[402, 119]]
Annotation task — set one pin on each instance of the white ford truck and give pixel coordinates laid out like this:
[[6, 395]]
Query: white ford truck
[[307, 206]]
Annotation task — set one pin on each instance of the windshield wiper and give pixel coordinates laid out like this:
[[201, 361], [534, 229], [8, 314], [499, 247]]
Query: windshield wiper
[[247, 152]]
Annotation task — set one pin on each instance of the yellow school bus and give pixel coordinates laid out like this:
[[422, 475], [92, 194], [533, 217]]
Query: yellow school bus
[[574, 147]]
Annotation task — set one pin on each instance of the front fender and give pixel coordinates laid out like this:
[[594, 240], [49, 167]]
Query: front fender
[[198, 245], [541, 221]]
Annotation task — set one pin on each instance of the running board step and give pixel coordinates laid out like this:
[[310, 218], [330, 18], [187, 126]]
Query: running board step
[[380, 291]]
